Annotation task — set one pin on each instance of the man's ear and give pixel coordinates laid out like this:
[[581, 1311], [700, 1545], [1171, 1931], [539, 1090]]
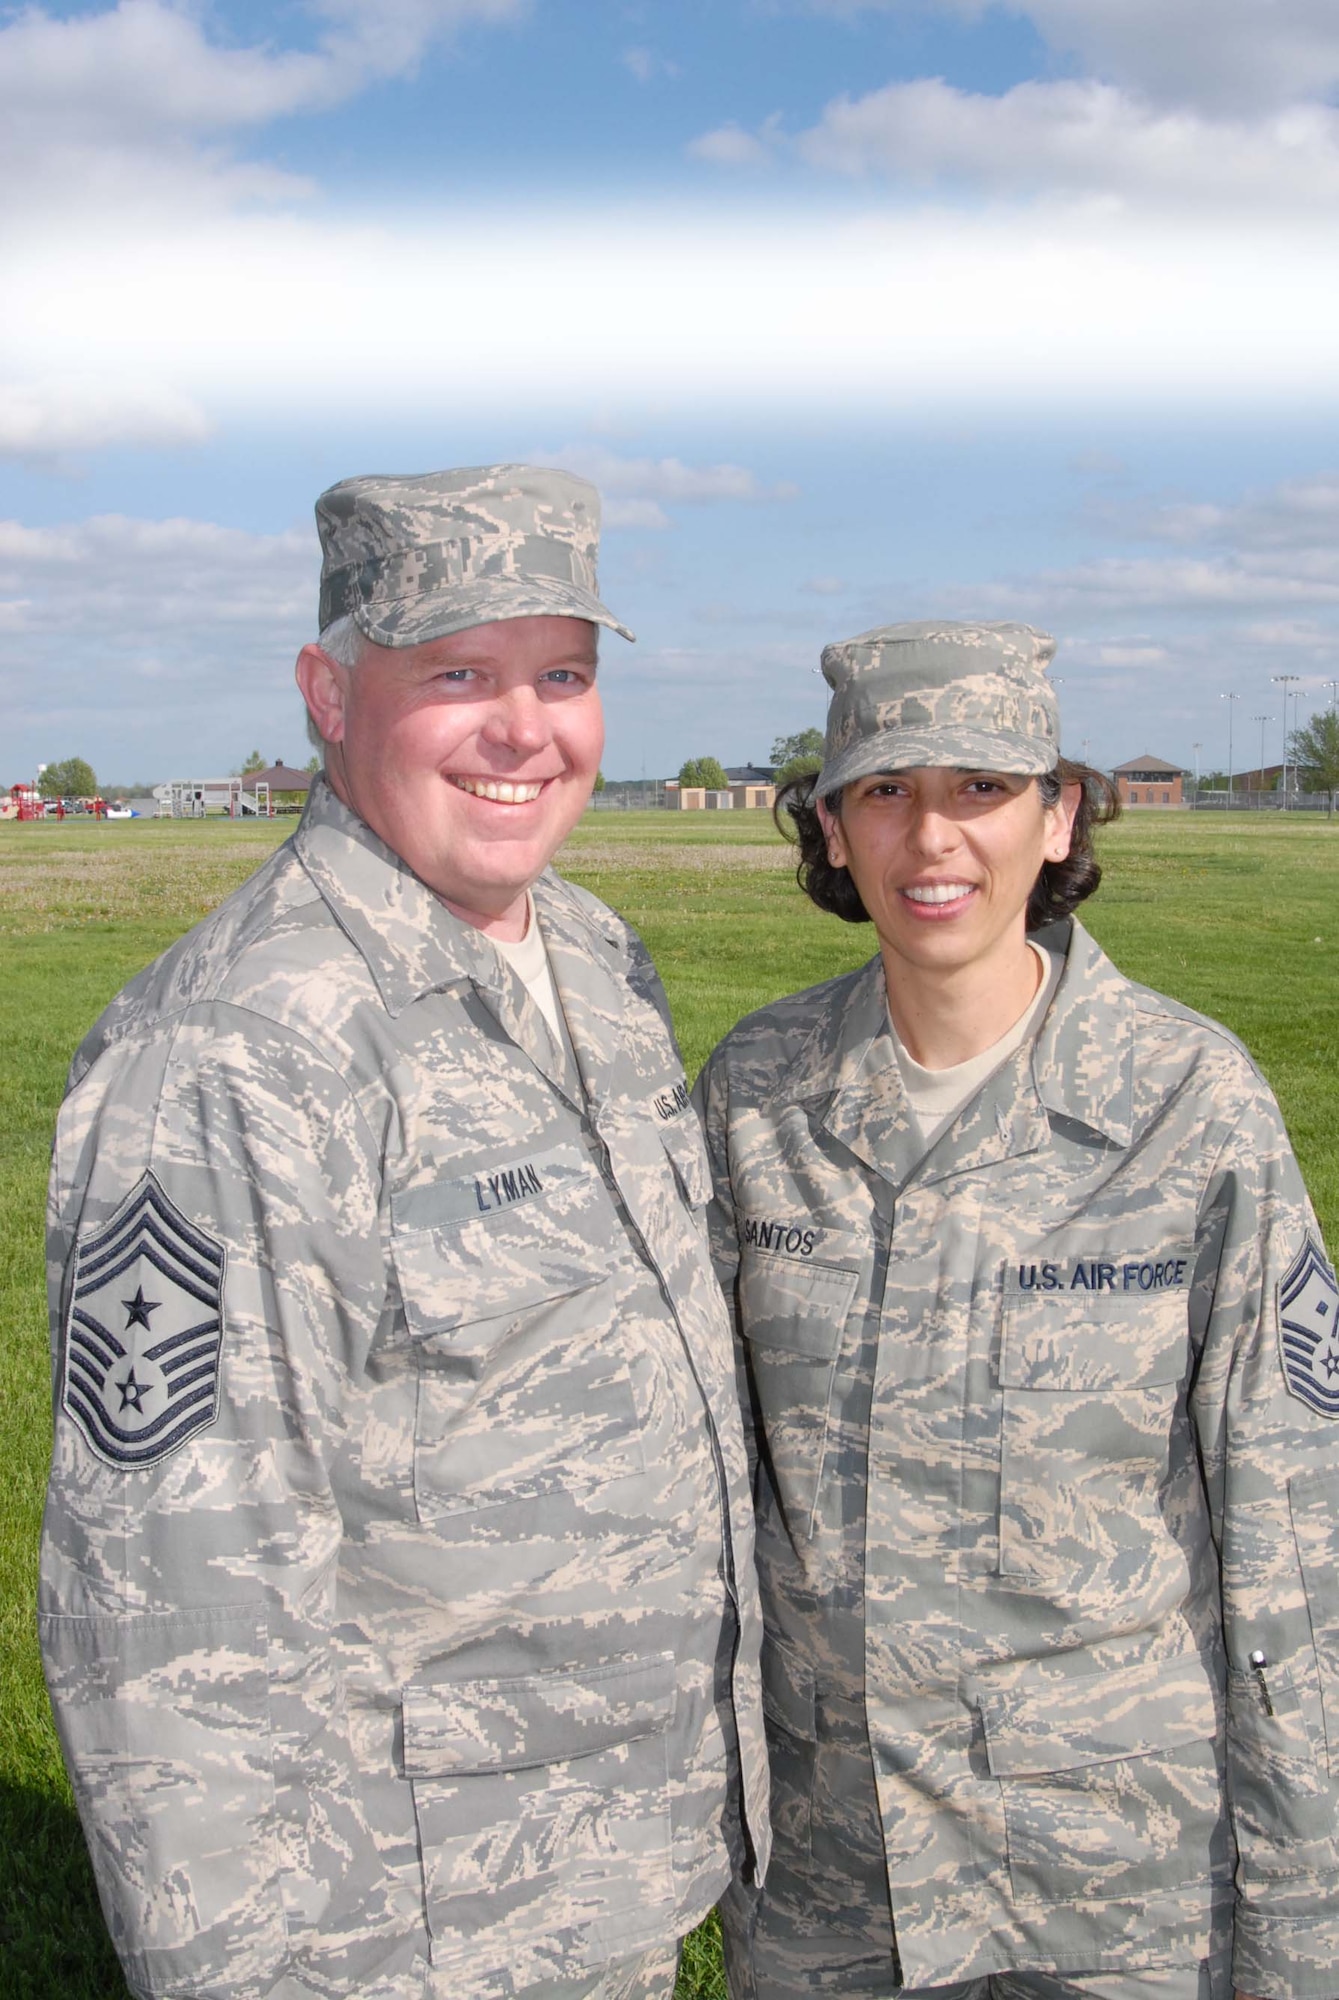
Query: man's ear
[[324, 686]]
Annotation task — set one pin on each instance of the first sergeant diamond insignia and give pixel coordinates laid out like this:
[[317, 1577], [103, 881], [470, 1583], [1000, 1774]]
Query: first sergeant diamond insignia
[[144, 1338], [1309, 1329]]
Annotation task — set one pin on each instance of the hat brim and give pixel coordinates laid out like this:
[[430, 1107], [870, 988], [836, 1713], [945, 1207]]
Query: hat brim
[[938, 749], [411, 621]]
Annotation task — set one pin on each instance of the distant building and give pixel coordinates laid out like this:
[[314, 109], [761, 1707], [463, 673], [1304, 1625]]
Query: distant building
[[1149, 781], [282, 778], [753, 795], [692, 798], [750, 785], [1264, 780]]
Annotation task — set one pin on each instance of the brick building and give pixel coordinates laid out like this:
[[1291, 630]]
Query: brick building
[[1149, 781]]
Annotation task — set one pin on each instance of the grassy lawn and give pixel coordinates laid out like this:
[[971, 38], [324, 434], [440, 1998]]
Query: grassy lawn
[[1238, 916]]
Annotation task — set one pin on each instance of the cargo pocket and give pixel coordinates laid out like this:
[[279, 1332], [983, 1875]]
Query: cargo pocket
[[793, 1307], [1109, 1783], [1283, 1808], [1088, 1391], [543, 1816], [523, 1384], [164, 1724], [788, 1714]]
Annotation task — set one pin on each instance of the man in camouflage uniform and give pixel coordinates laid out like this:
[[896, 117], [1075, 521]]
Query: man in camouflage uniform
[[397, 1597], [1048, 1471]]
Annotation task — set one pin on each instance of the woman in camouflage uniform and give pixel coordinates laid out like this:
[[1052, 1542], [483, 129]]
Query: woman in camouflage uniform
[[1038, 1340]]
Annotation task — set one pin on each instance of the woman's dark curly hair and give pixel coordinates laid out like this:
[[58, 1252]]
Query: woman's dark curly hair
[[1057, 891]]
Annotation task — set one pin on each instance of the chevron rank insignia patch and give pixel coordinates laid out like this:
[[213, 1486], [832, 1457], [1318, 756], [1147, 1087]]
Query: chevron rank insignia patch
[[144, 1338], [1309, 1329]]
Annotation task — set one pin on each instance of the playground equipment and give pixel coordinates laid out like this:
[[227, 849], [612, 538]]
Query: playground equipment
[[195, 798]]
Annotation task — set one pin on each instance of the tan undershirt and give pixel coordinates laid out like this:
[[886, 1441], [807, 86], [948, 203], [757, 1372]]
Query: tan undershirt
[[938, 1095]]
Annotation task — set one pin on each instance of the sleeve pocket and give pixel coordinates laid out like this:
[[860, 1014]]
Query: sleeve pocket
[[1313, 1498], [164, 1724], [1282, 1807]]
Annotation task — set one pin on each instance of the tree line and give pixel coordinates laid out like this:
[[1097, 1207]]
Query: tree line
[[792, 757]]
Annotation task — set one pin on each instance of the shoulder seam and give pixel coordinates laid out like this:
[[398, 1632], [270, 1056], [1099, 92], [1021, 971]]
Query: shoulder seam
[[175, 1021]]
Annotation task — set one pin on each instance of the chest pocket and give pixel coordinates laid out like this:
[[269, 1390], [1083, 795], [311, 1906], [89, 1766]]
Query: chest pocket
[[682, 1139], [1089, 1388], [797, 1284], [523, 1384]]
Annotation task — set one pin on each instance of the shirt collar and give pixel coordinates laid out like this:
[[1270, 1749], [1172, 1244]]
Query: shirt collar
[[410, 942], [1081, 1070]]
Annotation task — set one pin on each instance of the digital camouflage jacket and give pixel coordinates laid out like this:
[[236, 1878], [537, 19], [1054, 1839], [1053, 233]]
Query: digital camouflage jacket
[[397, 1593], [1048, 1499]]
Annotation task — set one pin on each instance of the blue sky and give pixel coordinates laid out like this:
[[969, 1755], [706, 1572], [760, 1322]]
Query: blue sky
[[854, 312]]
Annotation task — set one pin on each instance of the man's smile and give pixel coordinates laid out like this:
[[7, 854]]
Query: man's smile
[[503, 790]]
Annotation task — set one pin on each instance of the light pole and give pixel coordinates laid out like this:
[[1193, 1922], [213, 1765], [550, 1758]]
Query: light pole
[[1197, 747], [1229, 699], [1286, 682], [1262, 720], [1333, 686]]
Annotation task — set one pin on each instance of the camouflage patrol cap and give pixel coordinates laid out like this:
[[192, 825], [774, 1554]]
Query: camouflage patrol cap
[[936, 693], [419, 555]]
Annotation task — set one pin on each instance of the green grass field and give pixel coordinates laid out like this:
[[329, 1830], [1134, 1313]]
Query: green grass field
[[1238, 916]]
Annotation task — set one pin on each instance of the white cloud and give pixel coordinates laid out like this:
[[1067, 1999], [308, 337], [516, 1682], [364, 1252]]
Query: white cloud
[[1131, 655], [634, 514], [1223, 54], [1073, 139], [670, 478], [810, 311], [1304, 634], [632, 489], [731, 146], [1231, 53], [143, 644], [1299, 514], [1268, 551], [124, 106], [56, 420], [796, 311], [648, 64], [1202, 584], [1250, 588], [150, 63], [187, 578]]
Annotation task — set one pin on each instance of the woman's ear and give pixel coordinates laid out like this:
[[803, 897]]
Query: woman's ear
[[832, 833], [1060, 822]]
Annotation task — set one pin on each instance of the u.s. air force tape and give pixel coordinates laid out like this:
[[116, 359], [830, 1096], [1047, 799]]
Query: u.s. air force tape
[[144, 1337]]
